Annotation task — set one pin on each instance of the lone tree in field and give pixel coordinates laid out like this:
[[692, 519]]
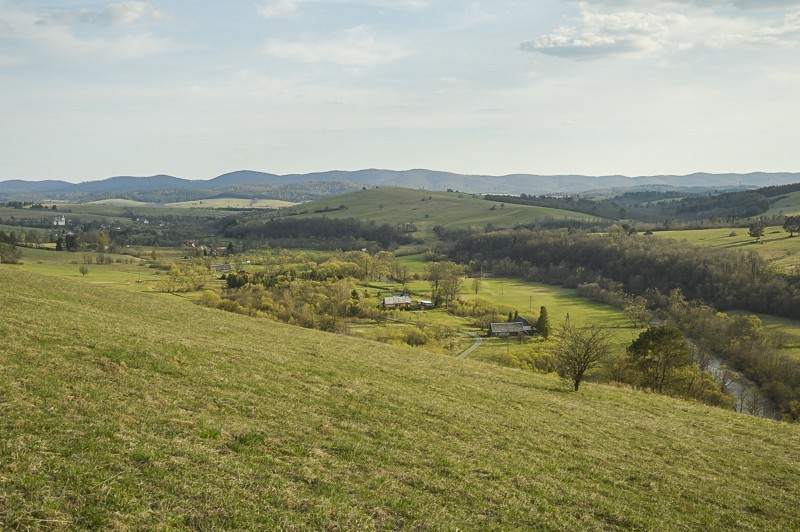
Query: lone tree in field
[[579, 350], [792, 225], [756, 231], [476, 284], [657, 353], [84, 269], [543, 323]]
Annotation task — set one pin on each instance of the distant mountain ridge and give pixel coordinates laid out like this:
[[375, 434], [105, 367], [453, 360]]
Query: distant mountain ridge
[[416, 178]]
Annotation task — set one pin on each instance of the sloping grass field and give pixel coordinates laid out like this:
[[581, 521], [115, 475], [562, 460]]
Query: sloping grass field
[[778, 247], [790, 204], [233, 203], [428, 209], [141, 410], [118, 202]]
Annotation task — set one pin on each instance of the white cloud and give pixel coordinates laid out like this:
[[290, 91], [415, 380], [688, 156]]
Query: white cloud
[[601, 34], [285, 8], [665, 26], [117, 14], [354, 47], [30, 39], [278, 8], [754, 5]]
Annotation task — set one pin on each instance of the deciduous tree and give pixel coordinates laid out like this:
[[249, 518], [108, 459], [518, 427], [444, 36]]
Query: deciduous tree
[[792, 225], [756, 231], [579, 350], [658, 352]]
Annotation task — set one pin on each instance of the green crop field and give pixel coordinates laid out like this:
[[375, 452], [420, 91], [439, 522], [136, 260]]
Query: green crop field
[[233, 203], [141, 410], [779, 248], [428, 209]]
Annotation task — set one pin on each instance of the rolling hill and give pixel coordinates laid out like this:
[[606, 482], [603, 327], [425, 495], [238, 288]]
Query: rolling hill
[[142, 410], [785, 204], [417, 178], [427, 209]]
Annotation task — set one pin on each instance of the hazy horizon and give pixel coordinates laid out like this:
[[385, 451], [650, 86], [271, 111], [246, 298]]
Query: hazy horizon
[[94, 89], [2, 179]]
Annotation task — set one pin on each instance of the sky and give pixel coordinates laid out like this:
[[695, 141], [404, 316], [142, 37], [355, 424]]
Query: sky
[[194, 89]]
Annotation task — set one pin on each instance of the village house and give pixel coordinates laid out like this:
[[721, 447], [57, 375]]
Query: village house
[[526, 325], [512, 328], [397, 302]]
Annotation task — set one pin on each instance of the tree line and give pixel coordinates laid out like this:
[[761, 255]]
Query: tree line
[[318, 232], [686, 284], [723, 278]]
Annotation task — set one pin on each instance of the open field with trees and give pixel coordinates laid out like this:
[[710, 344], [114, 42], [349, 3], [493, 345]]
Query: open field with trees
[[426, 209], [776, 246], [168, 414], [233, 203]]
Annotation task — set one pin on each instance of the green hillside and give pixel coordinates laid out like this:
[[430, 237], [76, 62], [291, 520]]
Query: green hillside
[[778, 247], [787, 204], [233, 203], [118, 202], [428, 209], [141, 410]]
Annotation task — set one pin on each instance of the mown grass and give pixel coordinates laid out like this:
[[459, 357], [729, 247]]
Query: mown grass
[[428, 209], [778, 247], [126, 410]]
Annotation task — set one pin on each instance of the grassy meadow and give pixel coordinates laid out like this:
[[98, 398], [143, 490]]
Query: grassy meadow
[[118, 202], [139, 410], [790, 204], [778, 247], [112, 212], [125, 270], [428, 209], [232, 203]]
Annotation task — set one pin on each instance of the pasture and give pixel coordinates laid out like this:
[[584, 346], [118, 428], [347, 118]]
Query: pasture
[[138, 411], [778, 247], [232, 203], [426, 209]]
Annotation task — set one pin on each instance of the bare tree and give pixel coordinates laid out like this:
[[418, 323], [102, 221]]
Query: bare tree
[[579, 350]]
